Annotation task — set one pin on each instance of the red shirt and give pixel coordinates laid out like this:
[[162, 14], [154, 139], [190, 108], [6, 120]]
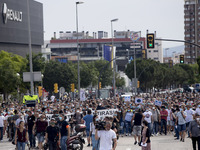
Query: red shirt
[[164, 114]]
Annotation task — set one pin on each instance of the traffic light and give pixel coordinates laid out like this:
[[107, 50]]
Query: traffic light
[[72, 87], [144, 54], [150, 40], [56, 88], [138, 84], [170, 63], [39, 91], [181, 59], [99, 85]]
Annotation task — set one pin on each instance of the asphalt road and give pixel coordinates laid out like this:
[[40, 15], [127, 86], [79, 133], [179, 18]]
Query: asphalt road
[[161, 142]]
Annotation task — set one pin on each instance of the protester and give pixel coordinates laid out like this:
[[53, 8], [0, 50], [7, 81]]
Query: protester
[[128, 118], [181, 115], [64, 131], [137, 128], [163, 118], [88, 119], [106, 137], [30, 124], [52, 135], [95, 143], [156, 120], [21, 136], [194, 132], [40, 127], [145, 143], [1, 125], [148, 118]]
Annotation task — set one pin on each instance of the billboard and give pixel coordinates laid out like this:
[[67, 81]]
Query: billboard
[[14, 22]]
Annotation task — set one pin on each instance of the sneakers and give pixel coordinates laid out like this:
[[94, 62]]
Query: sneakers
[[126, 134], [129, 134], [135, 143], [88, 145]]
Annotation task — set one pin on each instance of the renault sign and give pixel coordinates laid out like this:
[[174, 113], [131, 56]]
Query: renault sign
[[10, 14]]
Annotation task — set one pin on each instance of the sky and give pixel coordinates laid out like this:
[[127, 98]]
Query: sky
[[166, 17]]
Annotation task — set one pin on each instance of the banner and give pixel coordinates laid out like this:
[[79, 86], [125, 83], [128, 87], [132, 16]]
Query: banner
[[127, 98], [100, 113], [107, 53], [105, 113]]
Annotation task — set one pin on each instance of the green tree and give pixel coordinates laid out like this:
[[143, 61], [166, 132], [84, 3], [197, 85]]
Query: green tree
[[10, 65]]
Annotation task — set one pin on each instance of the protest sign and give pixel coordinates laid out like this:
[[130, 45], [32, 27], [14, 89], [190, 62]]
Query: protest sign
[[127, 98], [158, 103], [82, 95], [138, 100]]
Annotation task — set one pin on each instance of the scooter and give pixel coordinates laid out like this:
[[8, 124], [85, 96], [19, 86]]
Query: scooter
[[76, 141]]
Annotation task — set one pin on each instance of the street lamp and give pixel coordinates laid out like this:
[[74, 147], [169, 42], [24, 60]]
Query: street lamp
[[78, 47], [114, 65]]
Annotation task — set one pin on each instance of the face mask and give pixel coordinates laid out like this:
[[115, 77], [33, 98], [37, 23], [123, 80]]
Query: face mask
[[52, 123], [128, 110], [38, 109], [153, 107], [46, 112], [77, 111], [45, 106], [119, 111], [2, 114], [199, 106], [97, 119], [60, 118], [115, 114], [8, 113], [181, 109]]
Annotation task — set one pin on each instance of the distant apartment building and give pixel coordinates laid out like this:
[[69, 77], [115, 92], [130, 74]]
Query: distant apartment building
[[192, 30], [156, 53], [92, 47]]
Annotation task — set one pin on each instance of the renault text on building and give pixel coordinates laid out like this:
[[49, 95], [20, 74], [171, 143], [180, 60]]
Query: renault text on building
[[9, 14]]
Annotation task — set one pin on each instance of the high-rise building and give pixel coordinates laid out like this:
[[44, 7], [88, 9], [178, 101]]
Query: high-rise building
[[192, 30]]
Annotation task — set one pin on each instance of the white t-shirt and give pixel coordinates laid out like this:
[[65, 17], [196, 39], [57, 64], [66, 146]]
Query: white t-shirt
[[106, 138], [147, 115], [189, 116], [2, 118], [52, 98]]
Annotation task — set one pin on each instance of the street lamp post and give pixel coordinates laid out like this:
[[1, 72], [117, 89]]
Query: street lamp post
[[128, 54], [30, 49], [114, 63], [78, 47]]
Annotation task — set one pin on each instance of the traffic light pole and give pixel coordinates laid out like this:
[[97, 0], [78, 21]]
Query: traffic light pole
[[183, 41]]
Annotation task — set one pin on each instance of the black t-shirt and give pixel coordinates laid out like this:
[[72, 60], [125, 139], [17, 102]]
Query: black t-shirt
[[52, 133], [138, 119], [30, 121], [63, 127]]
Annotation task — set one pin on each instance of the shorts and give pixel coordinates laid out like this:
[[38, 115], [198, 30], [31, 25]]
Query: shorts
[[182, 127], [87, 132], [169, 122], [40, 137], [137, 130]]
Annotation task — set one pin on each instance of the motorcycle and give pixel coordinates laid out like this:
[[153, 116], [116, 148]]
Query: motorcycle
[[76, 141]]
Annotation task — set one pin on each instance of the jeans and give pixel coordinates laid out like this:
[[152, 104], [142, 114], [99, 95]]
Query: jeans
[[31, 138], [63, 143], [177, 131], [128, 127], [52, 145], [150, 128], [95, 143], [1, 133], [21, 145], [196, 140], [122, 127], [164, 123], [155, 127]]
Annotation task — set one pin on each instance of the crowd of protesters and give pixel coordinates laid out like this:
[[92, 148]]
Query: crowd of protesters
[[178, 116]]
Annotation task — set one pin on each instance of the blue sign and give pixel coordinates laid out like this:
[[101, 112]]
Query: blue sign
[[107, 53]]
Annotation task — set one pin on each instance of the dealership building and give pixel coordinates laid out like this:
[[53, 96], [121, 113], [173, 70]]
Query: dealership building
[[14, 33]]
